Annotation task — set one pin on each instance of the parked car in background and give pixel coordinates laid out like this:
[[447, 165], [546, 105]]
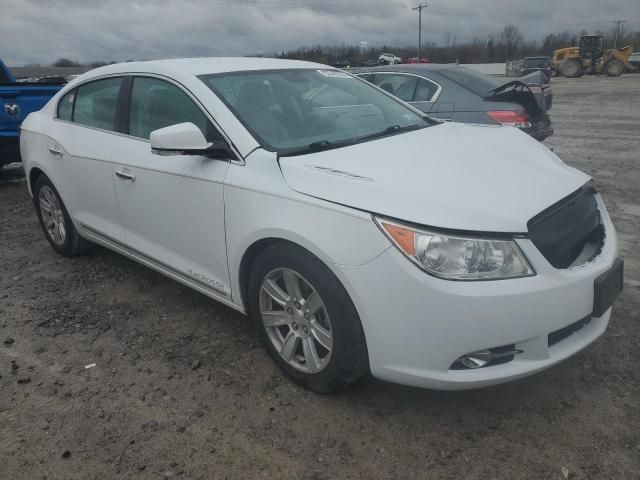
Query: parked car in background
[[359, 234], [370, 63], [537, 64], [17, 100], [460, 94], [341, 64], [634, 61], [52, 79], [415, 60], [389, 59]]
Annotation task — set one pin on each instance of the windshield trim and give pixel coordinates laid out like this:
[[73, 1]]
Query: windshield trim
[[295, 151]]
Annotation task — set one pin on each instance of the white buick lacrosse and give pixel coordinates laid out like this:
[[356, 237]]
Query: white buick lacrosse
[[358, 234]]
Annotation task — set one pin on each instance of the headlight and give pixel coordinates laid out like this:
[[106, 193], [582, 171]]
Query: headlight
[[457, 257]]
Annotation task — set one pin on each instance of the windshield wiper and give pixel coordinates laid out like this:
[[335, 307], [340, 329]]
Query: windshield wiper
[[318, 146], [390, 130]]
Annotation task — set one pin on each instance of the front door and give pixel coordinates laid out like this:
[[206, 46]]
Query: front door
[[172, 206]]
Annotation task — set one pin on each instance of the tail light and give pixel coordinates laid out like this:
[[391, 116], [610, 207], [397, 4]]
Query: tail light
[[511, 119]]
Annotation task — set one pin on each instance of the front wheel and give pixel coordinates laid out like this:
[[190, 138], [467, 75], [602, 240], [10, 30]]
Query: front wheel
[[55, 221], [572, 68], [306, 319], [614, 68]]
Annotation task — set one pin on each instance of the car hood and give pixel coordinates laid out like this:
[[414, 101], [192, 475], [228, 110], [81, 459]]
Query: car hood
[[463, 177]]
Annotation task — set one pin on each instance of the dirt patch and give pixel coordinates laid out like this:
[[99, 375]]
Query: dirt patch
[[181, 389]]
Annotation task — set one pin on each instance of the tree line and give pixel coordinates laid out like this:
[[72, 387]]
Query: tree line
[[508, 44]]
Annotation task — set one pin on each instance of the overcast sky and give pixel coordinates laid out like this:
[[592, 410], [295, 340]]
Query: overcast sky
[[41, 31]]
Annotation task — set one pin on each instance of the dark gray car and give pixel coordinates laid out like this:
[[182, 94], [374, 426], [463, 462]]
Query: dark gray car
[[460, 94]]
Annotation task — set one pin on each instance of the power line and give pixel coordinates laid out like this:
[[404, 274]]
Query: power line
[[419, 9]]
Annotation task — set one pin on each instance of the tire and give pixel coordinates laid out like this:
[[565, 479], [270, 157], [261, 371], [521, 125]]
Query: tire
[[329, 370], [52, 214], [572, 68], [614, 68]]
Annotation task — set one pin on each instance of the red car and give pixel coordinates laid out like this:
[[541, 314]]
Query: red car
[[415, 60]]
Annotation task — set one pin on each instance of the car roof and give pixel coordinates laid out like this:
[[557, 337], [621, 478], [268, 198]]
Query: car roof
[[203, 66]]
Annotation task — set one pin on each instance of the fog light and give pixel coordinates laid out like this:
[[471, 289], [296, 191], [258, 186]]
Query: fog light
[[486, 358], [476, 359]]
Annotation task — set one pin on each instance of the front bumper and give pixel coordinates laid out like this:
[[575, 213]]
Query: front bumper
[[416, 325]]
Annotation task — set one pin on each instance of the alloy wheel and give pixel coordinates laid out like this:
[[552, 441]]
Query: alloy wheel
[[296, 320], [52, 215]]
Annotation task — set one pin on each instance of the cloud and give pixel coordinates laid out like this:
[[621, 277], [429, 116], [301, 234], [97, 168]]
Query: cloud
[[40, 31]]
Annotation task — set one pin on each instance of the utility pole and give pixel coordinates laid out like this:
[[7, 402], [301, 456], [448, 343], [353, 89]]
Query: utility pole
[[618, 23], [419, 8]]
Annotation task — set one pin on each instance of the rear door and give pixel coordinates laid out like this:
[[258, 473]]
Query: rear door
[[172, 206], [80, 146]]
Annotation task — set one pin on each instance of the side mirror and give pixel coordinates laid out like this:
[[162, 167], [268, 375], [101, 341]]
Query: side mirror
[[187, 139]]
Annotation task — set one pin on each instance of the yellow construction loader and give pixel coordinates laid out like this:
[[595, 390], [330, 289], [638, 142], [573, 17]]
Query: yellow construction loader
[[591, 57]]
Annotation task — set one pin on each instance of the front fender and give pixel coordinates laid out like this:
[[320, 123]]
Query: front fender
[[259, 205]]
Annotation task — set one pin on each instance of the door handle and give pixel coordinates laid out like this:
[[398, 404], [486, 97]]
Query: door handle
[[55, 151], [125, 176]]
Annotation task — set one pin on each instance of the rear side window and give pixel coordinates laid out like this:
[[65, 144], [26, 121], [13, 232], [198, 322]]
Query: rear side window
[[477, 82], [65, 106], [425, 91], [402, 86], [157, 104], [96, 103]]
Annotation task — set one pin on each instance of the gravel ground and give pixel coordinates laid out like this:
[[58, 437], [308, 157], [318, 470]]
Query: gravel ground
[[181, 389]]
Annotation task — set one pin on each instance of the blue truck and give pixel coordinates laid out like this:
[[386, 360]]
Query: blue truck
[[17, 100]]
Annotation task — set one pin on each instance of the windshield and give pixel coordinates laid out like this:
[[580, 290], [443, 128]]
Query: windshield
[[299, 110], [477, 82], [536, 63]]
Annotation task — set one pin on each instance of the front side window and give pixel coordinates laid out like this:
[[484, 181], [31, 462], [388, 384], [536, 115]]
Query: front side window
[[97, 102], [157, 104], [293, 111], [402, 86], [65, 106]]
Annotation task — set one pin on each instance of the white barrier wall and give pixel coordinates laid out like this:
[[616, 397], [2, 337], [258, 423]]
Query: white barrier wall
[[488, 68]]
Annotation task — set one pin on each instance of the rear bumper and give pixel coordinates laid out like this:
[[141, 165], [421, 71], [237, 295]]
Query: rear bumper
[[541, 133], [9, 149], [541, 128]]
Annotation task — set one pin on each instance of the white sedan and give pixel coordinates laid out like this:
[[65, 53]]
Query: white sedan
[[357, 233]]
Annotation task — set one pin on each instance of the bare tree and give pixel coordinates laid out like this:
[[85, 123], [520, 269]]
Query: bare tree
[[511, 38]]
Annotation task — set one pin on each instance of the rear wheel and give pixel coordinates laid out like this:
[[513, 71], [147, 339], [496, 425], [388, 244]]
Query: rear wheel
[[55, 221], [306, 319], [614, 68], [572, 68]]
